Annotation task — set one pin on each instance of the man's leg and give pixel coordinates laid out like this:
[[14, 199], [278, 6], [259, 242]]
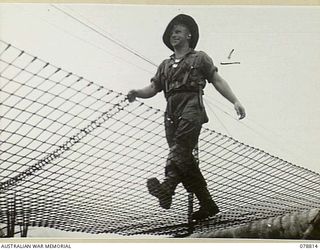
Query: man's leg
[[194, 182], [165, 190], [207, 206], [182, 167], [187, 138]]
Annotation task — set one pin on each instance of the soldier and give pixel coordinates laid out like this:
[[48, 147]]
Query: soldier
[[182, 78]]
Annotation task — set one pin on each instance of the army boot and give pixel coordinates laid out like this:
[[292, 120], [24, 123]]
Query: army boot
[[162, 191], [207, 206]]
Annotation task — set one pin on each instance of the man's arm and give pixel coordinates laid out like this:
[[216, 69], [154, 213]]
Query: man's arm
[[224, 89], [146, 92]]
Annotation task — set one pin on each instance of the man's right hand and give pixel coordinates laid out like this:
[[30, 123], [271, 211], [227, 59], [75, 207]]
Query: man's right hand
[[132, 94], [146, 92]]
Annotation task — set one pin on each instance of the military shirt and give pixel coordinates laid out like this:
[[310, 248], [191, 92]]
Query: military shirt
[[184, 100]]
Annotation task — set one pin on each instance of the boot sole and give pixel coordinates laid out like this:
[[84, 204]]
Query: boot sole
[[154, 188], [205, 215]]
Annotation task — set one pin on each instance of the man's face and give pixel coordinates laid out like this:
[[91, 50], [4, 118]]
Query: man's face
[[180, 35]]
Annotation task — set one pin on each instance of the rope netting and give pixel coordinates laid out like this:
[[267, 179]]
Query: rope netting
[[75, 156]]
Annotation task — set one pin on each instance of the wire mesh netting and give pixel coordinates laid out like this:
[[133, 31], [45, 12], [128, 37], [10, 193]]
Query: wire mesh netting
[[75, 156]]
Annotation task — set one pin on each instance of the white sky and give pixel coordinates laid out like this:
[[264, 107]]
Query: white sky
[[278, 80]]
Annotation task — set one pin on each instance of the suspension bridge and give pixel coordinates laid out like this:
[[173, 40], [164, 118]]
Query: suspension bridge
[[75, 156]]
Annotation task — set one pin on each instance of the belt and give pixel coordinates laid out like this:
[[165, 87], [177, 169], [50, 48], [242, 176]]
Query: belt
[[178, 91]]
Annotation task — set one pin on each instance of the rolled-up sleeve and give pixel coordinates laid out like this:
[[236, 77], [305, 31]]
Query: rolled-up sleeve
[[207, 67], [157, 79]]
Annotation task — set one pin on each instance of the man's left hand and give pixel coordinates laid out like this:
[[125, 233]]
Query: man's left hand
[[240, 110]]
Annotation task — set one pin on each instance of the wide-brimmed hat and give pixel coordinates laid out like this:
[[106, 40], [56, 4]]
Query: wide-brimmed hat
[[189, 22]]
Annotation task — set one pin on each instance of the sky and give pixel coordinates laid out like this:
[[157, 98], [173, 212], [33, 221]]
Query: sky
[[277, 79]]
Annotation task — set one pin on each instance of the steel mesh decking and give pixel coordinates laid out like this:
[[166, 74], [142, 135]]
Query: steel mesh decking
[[76, 156]]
